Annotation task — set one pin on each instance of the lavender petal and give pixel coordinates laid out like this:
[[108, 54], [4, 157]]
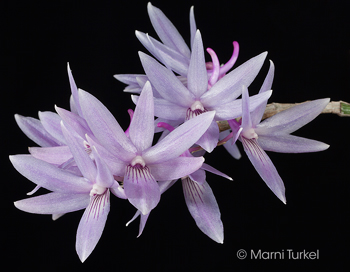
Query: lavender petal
[[166, 31], [54, 203], [229, 87], [290, 144], [179, 140], [35, 131], [49, 176], [265, 168], [141, 128], [92, 224], [54, 155], [165, 82], [175, 168], [204, 209], [105, 128], [292, 119], [197, 77]]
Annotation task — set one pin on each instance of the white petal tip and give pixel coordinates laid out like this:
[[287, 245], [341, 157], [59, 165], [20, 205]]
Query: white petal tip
[[219, 240], [83, 256]]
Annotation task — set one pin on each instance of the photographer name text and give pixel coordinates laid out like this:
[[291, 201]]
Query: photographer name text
[[289, 254]]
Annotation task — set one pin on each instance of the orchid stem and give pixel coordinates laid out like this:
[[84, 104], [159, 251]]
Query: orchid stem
[[340, 108]]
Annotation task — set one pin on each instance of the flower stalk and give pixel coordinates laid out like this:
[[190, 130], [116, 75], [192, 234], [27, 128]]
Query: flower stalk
[[340, 108]]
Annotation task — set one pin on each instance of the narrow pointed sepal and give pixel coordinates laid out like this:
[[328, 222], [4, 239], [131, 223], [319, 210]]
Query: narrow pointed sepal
[[141, 129], [264, 166], [54, 155], [204, 209], [197, 78], [105, 127], [35, 131], [229, 87], [231, 148], [258, 113], [292, 119], [49, 176], [180, 139], [193, 26], [176, 168], [53, 203], [92, 224], [167, 31], [51, 123], [290, 144], [74, 90]]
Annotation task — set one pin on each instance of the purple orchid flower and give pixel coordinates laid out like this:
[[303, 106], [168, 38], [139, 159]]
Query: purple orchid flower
[[200, 201], [273, 134], [178, 103], [199, 198], [46, 132], [89, 190], [173, 52], [143, 163]]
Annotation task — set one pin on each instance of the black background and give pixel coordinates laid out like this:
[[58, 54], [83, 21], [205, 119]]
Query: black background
[[309, 42]]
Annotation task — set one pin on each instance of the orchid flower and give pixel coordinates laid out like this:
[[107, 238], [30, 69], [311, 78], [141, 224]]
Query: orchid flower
[[200, 202], [71, 192], [173, 52], [84, 154], [46, 132], [144, 164], [199, 198], [273, 134], [179, 103]]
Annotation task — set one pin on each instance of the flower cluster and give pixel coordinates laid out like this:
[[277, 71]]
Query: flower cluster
[[85, 155]]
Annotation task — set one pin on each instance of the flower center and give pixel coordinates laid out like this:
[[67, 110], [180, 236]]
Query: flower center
[[249, 134], [138, 160], [97, 190], [87, 148], [196, 108]]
